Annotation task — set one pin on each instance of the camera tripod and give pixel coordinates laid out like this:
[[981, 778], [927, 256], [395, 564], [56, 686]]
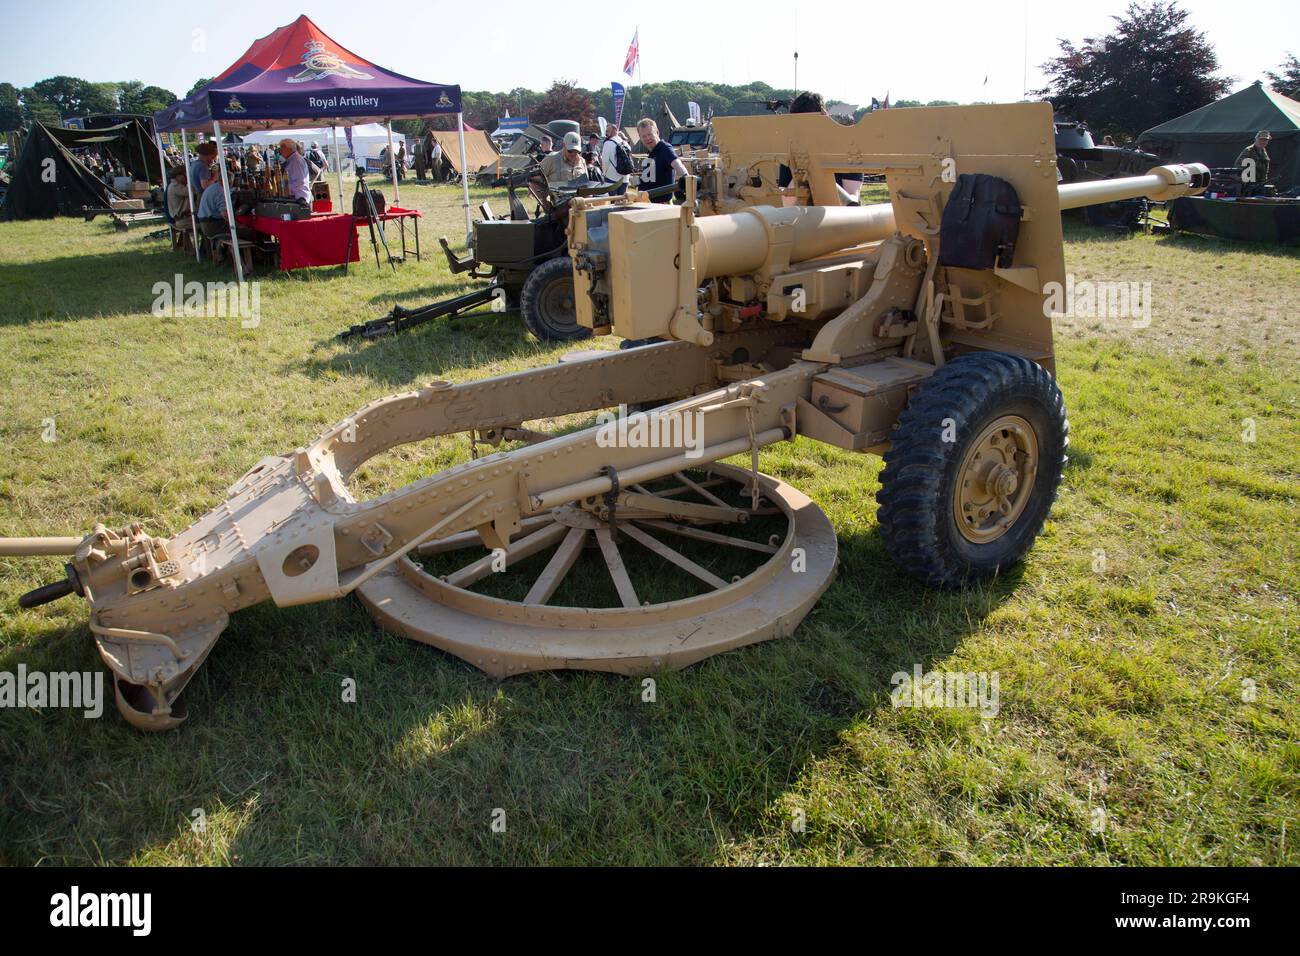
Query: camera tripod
[[372, 217]]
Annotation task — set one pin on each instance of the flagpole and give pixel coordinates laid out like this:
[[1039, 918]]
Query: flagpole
[[640, 81]]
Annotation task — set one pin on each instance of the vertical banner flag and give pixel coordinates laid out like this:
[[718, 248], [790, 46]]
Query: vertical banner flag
[[347, 131], [633, 53], [619, 94]]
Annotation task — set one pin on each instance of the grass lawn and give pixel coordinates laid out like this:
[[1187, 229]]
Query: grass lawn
[[1148, 651]]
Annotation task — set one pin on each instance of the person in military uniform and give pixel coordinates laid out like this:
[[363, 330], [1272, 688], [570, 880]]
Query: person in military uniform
[[1253, 163]]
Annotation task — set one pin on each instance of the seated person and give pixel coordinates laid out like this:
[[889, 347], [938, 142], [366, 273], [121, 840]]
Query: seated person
[[295, 167], [201, 172], [566, 164], [212, 215], [178, 200]]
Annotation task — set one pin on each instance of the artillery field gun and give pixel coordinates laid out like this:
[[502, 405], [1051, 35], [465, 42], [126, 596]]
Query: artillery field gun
[[915, 329]]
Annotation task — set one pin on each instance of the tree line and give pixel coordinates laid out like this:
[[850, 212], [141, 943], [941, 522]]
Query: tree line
[[1154, 65]]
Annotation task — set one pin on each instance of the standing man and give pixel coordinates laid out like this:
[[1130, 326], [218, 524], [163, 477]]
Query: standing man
[[428, 154], [1253, 163], [662, 167], [435, 160], [317, 157], [418, 152], [401, 161], [295, 167], [615, 159]]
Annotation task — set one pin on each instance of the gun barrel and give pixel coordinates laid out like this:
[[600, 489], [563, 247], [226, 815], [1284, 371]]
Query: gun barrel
[[21, 547], [1161, 183], [737, 243]]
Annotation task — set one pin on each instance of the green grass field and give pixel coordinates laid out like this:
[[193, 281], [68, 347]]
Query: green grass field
[[1148, 651]]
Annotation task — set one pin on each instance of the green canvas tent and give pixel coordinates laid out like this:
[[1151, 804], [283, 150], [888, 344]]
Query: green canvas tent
[[1215, 134], [47, 180]]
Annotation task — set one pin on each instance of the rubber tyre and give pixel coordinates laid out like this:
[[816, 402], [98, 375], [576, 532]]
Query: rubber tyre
[[920, 475], [537, 302]]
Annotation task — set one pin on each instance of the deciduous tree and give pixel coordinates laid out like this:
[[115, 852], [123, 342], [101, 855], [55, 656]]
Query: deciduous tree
[[1151, 67]]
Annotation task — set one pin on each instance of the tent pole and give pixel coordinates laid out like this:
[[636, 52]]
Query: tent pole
[[189, 187], [230, 209], [338, 163], [392, 163], [162, 165], [464, 174]]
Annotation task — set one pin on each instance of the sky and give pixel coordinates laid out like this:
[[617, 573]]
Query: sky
[[962, 50]]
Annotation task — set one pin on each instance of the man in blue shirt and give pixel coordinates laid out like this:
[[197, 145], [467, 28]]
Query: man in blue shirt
[[662, 167], [212, 215]]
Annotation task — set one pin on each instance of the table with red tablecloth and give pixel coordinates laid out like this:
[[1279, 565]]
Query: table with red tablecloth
[[319, 240]]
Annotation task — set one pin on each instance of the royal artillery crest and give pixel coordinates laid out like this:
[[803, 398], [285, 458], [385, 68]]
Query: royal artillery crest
[[318, 62]]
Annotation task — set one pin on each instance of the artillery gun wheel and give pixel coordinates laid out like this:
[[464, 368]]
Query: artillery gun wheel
[[547, 302], [647, 594], [973, 468]]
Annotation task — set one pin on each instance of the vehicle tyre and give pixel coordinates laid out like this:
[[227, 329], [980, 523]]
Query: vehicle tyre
[[547, 302], [973, 469]]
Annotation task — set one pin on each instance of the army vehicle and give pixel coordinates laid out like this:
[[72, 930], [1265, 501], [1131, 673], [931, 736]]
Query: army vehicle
[[1081, 159], [915, 329], [523, 152], [523, 257]]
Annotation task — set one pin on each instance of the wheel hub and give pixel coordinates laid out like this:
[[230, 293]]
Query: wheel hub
[[995, 479]]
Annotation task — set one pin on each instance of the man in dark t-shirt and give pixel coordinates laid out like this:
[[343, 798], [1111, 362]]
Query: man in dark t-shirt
[[661, 165]]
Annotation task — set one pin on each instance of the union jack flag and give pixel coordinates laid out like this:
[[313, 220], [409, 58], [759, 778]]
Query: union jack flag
[[633, 53]]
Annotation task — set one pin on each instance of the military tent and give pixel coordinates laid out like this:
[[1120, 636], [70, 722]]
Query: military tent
[[47, 180], [1215, 134], [479, 151]]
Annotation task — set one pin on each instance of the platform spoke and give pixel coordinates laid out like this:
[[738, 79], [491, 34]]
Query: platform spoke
[[699, 534], [617, 570], [668, 554], [470, 539], [517, 551], [561, 563]]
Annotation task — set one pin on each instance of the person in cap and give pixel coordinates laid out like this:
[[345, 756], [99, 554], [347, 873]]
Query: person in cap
[[1253, 163], [566, 164], [317, 158]]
